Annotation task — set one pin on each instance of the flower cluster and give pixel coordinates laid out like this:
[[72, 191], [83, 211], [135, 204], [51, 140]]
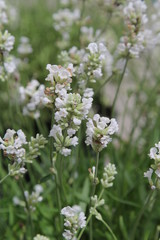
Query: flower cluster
[[99, 131], [24, 47], [155, 23], [6, 42], [7, 65], [155, 167], [64, 19], [88, 35], [7, 61], [34, 146], [59, 78], [95, 203], [108, 175], [74, 220], [73, 55], [135, 18], [14, 145], [33, 98], [32, 199], [95, 58], [69, 2], [71, 109], [89, 63], [3, 14], [40, 237]]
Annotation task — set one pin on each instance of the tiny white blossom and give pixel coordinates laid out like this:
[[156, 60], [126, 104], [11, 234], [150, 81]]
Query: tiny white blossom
[[74, 220], [99, 131]]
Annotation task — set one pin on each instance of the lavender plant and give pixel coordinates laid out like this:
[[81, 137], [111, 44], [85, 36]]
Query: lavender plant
[[103, 62]]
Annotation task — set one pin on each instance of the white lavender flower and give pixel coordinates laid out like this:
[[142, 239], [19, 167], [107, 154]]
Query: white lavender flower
[[40, 237], [65, 18], [70, 110], [6, 41], [24, 47], [99, 131], [155, 152], [148, 174], [94, 60], [136, 39], [10, 64], [62, 143], [88, 34], [12, 144], [74, 220], [59, 78], [3, 14], [135, 12], [153, 174], [32, 199], [33, 98]]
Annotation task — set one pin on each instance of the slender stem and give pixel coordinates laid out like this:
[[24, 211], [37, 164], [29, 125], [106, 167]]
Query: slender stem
[[4, 178], [89, 217], [59, 201], [90, 229], [147, 201], [93, 192], [119, 84], [95, 176], [82, 231], [109, 229], [83, 8], [61, 179], [30, 222], [60, 168], [56, 175], [51, 139], [101, 194]]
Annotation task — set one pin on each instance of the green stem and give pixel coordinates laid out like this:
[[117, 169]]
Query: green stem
[[83, 8], [93, 192], [89, 217], [51, 139], [4, 178], [30, 223], [95, 176], [101, 194], [109, 229], [59, 201], [119, 84], [82, 231], [147, 201], [61, 179], [56, 176]]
